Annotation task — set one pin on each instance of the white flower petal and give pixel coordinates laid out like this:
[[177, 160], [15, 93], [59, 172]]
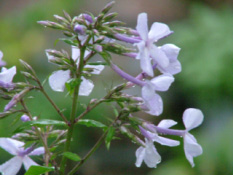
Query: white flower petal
[[191, 148], [6, 75], [167, 124], [37, 151], [58, 79], [166, 141], [152, 157], [152, 100], [97, 69], [158, 31], [140, 154], [10, 145], [162, 82], [12, 166], [142, 27], [75, 53], [192, 118], [171, 50], [50, 57], [2, 63], [27, 162], [145, 60], [159, 56], [86, 87], [1, 55]]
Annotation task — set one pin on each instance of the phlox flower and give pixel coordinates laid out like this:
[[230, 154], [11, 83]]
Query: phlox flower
[[2, 63], [58, 78], [152, 101], [21, 156], [148, 154], [192, 118], [164, 57], [6, 76]]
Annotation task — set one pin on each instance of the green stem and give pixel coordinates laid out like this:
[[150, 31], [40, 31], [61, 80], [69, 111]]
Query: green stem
[[51, 101], [73, 113], [93, 149], [40, 135]]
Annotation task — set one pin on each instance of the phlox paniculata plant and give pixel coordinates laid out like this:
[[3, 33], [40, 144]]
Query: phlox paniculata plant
[[90, 35]]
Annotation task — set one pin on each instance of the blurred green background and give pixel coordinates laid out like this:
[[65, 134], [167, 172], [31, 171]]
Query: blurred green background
[[202, 29]]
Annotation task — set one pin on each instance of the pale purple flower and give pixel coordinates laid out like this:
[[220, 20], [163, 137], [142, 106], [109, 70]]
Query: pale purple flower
[[192, 118], [148, 154], [154, 135], [153, 102], [174, 66], [6, 76], [58, 78], [21, 156], [25, 118], [147, 49], [2, 63]]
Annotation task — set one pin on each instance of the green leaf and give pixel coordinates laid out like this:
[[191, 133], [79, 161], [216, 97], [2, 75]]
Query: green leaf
[[68, 41], [91, 123], [38, 170], [106, 56], [39, 123], [72, 156], [109, 137]]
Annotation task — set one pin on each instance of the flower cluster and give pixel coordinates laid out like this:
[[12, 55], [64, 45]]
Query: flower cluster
[[88, 36]]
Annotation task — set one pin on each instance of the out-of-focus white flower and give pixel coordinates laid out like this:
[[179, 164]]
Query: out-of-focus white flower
[[21, 156], [58, 78], [2, 63]]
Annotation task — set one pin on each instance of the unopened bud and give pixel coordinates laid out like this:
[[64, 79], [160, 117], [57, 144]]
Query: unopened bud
[[108, 7], [87, 17], [80, 29], [110, 16], [25, 118]]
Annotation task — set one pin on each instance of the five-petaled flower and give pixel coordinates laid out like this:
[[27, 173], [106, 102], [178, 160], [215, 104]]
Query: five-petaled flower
[[164, 57], [21, 156]]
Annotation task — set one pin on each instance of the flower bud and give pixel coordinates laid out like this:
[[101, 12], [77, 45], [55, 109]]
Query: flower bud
[[80, 29], [25, 118]]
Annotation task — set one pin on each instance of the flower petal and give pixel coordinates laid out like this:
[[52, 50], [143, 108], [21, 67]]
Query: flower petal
[[145, 60], [140, 153], [10, 145], [151, 157], [6, 75], [173, 68], [58, 79], [37, 151], [12, 166], [96, 69], [142, 26], [75, 53], [171, 50], [162, 82], [158, 31], [27, 162], [86, 87], [167, 124], [152, 100], [192, 118], [166, 141], [159, 56], [2, 63], [191, 148]]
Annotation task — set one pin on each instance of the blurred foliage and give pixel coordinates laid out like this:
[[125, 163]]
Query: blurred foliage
[[206, 39]]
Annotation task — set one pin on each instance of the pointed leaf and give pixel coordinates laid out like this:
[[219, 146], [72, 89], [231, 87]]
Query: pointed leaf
[[38, 170], [72, 156], [109, 137], [91, 123]]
